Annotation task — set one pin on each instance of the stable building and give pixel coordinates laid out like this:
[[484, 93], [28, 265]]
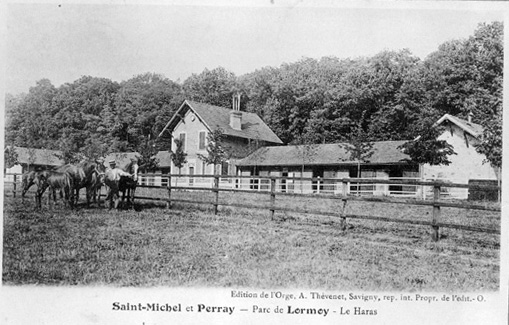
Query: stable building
[[30, 159], [332, 161]]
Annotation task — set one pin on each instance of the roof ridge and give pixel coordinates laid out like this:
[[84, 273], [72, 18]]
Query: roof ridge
[[221, 107]]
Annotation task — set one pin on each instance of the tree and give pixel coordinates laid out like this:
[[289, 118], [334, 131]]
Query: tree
[[216, 153], [10, 157], [31, 157], [30, 120], [427, 149], [179, 157], [307, 153], [358, 146], [143, 105], [215, 87], [491, 142], [147, 160]]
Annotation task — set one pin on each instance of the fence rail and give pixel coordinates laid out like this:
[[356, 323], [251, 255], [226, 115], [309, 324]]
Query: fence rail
[[276, 186]]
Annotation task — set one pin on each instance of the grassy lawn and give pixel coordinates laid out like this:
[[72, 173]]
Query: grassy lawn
[[189, 246]]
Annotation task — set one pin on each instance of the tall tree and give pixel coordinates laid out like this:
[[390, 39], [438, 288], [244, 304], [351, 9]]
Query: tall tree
[[78, 108], [359, 146], [143, 104], [215, 87], [179, 157], [30, 119]]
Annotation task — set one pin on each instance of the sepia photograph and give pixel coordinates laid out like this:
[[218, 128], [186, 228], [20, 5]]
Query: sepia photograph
[[257, 161]]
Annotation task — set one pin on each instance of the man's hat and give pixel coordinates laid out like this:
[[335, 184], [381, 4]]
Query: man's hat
[[112, 162]]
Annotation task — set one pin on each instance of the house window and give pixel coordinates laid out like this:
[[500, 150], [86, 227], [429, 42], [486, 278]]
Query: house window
[[201, 145], [182, 138]]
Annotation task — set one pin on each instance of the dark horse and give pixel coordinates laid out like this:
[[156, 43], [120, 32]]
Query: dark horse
[[27, 180], [85, 174], [55, 181], [127, 185]]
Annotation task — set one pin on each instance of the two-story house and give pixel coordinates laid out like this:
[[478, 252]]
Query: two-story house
[[242, 132]]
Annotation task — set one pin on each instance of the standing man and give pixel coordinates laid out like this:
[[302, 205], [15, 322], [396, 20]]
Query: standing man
[[111, 179]]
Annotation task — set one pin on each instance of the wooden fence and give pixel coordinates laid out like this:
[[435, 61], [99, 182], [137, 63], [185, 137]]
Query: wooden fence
[[273, 187]]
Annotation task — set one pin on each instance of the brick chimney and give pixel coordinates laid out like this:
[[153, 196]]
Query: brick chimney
[[236, 114]]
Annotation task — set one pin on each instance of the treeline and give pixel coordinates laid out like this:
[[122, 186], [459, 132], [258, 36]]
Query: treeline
[[392, 96]]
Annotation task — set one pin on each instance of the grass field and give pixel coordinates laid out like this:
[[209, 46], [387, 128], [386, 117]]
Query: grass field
[[189, 246]]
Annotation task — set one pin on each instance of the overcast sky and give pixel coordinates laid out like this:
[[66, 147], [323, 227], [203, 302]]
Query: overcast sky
[[63, 42]]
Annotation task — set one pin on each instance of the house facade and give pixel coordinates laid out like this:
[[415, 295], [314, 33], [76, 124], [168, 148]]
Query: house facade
[[467, 165], [193, 122]]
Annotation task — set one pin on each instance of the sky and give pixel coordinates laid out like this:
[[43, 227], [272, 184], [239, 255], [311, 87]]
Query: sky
[[119, 40]]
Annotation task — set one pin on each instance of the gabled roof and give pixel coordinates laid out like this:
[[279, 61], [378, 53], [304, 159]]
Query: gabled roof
[[43, 157], [215, 117], [472, 128], [384, 153]]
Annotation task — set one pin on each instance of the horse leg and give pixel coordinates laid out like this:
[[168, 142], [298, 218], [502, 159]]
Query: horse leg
[[77, 195], [98, 195], [123, 196], [38, 195], [55, 196], [117, 199], [132, 197], [109, 198], [49, 196], [90, 194]]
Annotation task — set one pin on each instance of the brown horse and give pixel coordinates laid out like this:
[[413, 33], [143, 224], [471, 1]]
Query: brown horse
[[83, 175], [55, 181], [95, 187]]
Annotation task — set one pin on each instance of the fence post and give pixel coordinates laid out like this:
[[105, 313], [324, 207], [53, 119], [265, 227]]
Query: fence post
[[168, 204], [343, 210], [436, 213], [14, 185], [272, 197], [216, 189]]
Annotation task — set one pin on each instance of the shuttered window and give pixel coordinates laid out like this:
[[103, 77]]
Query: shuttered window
[[201, 145], [182, 138]]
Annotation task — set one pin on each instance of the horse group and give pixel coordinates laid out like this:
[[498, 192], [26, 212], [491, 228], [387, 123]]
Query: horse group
[[91, 175]]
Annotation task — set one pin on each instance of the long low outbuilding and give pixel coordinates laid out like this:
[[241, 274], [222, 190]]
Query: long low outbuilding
[[331, 162]]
